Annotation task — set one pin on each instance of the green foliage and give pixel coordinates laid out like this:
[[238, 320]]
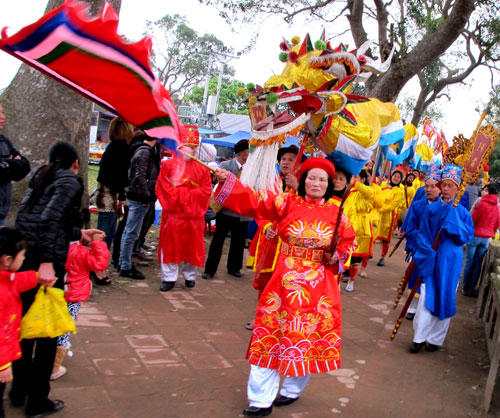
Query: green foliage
[[229, 101], [406, 106], [180, 56], [493, 117]]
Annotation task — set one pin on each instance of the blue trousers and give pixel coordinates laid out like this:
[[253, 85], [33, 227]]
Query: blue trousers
[[136, 213], [474, 253]]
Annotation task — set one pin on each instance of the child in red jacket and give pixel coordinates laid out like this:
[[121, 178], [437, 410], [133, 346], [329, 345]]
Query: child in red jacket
[[12, 249], [80, 262]]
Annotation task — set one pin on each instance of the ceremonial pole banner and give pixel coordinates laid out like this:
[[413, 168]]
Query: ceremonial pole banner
[[477, 153], [87, 55]]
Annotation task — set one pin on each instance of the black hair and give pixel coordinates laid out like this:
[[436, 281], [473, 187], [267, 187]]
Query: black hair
[[301, 190], [12, 241], [363, 174], [61, 155], [492, 188]]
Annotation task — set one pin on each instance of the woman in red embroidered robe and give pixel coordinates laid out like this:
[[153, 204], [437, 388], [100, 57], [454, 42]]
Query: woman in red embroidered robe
[[298, 320]]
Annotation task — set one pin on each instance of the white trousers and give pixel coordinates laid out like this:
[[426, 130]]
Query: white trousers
[[263, 385], [428, 327], [413, 305], [170, 271]]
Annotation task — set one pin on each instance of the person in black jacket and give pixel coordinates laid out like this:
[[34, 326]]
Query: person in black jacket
[[13, 167], [140, 194], [46, 218], [113, 177]]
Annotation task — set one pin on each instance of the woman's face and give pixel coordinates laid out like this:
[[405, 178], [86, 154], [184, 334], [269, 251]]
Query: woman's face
[[396, 178], [316, 183], [339, 181]]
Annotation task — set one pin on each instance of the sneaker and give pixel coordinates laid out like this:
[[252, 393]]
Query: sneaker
[[350, 286], [206, 276], [363, 274], [189, 283], [381, 262], [132, 273], [61, 372]]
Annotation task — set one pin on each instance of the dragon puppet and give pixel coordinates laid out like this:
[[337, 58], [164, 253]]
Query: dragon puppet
[[313, 95]]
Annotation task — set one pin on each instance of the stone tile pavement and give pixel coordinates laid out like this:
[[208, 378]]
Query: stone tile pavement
[[181, 354]]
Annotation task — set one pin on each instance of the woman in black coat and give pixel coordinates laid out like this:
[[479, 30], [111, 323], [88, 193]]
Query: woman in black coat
[[113, 177], [46, 218]]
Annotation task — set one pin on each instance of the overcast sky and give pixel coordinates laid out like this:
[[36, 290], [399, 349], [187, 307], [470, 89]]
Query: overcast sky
[[258, 65]]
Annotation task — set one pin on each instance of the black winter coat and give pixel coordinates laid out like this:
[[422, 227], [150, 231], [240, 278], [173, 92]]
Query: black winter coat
[[10, 170], [49, 224], [143, 173], [113, 171]]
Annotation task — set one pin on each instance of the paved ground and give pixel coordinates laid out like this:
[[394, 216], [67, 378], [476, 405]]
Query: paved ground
[[143, 353]]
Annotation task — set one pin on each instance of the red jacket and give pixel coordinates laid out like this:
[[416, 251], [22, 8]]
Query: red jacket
[[486, 216], [80, 262], [11, 285]]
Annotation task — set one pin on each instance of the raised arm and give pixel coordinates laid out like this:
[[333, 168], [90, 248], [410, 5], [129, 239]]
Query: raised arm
[[245, 201]]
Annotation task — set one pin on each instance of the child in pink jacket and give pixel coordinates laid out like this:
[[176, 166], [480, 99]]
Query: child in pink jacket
[[80, 262]]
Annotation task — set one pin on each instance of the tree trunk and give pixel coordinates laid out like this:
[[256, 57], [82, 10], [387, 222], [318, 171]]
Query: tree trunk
[[427, 50], [39, 112]]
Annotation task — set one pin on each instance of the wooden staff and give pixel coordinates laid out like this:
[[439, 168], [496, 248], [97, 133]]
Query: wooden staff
[[403, 283], [201, 162], [336, 237], [397, 245], [402, 315]]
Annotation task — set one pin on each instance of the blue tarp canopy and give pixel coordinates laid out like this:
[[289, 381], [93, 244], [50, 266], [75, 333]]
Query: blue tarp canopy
[[204, 131], [231, 140], [228, 141]]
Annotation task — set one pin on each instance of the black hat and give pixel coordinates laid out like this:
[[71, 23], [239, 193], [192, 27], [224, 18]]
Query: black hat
[[241, 145], [291, 149], [64, 153]]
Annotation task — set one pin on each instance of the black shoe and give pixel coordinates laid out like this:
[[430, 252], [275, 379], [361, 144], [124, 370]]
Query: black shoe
[[410, 316], [430, 347], [283, 400], [415, 347], [381, 262], [254, 411], [132, 273], [206, 276], [166, 286], [234, 273], [56, 407], [189, 283]]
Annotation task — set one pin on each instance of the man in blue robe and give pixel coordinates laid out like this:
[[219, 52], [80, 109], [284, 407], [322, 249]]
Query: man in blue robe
[[440, 269], [411, 225]]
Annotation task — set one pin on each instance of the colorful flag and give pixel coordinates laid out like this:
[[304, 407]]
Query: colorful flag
[[428, 130], [87, 55]]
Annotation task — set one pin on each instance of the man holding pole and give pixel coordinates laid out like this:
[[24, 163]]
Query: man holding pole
[[412, 222], [440, 268]]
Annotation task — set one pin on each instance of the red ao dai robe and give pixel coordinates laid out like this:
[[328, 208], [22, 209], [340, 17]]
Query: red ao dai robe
[[184, 207], [298, 321]]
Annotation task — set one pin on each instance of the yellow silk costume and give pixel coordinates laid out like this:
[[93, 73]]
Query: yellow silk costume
[[388, 202], [358, 209]]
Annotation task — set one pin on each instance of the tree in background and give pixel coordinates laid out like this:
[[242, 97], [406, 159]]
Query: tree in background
[[441, 42], [229, 101], [493, 117], [180, 56], [41, 112]]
